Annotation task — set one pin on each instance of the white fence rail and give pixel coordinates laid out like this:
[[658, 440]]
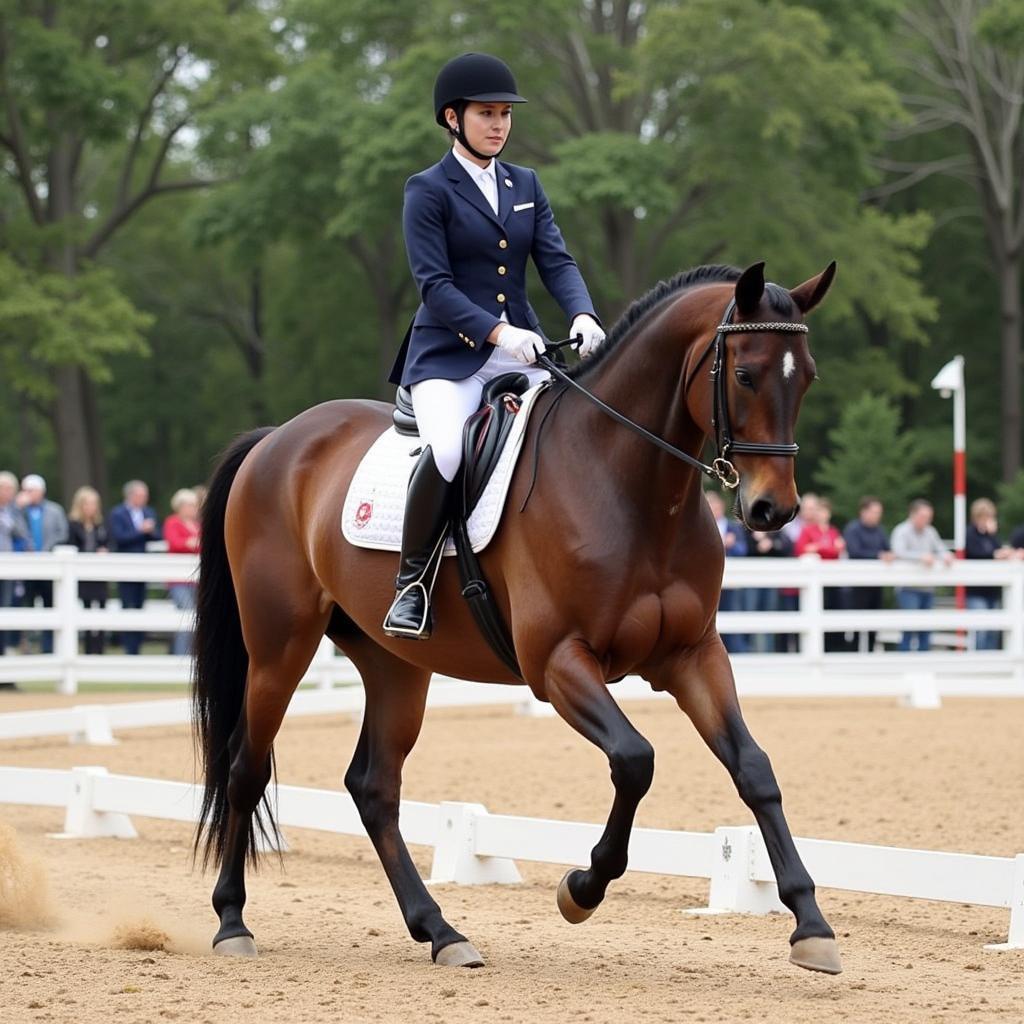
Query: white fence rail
[[472, 846], [809, 576], [96, 723]]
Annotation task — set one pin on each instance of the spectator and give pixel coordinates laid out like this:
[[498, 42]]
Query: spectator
[[866, 538], [12, 531], [181, 531], [916, 540], [771, 599], [1017, 537], [819, 537], [133, 524], [807, 513], [983, 542], [46, 526], [87, 532], [734, 540]]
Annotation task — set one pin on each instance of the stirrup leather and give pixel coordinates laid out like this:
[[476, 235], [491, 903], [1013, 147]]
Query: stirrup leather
[[431, 570]]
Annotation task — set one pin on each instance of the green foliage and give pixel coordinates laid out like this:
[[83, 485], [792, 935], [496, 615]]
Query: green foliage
[[49, 320], [1010, 504], [872, 454]]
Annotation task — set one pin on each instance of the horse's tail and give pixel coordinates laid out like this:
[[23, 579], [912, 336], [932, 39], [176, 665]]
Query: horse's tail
[[220, 661]]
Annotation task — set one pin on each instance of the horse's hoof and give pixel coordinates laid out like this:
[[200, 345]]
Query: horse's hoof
[[571, 910], [239, 945], [459, 954], [817, 954]]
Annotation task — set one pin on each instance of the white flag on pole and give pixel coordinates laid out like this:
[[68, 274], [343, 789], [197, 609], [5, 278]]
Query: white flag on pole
[[951, 376]]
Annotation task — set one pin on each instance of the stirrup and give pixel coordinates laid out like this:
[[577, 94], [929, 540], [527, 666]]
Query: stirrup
[[432, 568], [422, 632]]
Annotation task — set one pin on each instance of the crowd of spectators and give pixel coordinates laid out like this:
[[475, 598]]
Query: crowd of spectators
[[812, 532], [29, 521]]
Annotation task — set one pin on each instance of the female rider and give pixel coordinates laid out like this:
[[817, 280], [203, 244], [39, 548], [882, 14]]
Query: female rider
[[470, 223]]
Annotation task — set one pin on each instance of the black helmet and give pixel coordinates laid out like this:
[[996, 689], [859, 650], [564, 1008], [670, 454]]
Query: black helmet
[[473, 76]]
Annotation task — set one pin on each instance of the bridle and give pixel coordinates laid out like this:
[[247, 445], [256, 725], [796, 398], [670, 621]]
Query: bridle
[[721, 467]]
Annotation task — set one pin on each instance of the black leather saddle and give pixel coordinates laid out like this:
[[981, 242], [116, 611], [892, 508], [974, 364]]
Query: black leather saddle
[[484, 435], [483, 439]]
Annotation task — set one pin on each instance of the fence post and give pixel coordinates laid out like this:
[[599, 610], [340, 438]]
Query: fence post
[[923, 693], [95, 728], [455, 858], [1015, 938], [533, 708], [733, 890], [812, 604], [65, 603], [81, 821], [1014, 602]]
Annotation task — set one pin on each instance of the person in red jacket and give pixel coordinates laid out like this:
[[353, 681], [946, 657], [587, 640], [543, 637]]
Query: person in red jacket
[[181, 531], [819, 537]]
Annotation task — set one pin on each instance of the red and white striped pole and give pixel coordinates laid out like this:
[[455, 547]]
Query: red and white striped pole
[[949, 381]]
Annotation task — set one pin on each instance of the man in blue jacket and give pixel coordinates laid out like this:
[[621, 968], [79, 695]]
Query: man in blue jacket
[[132, 525]]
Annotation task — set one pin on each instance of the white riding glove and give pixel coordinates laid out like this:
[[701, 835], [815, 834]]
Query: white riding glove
[[590, 329], [520, 344]]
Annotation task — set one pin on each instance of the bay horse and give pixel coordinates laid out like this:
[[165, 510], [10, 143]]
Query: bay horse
[[613, 566]]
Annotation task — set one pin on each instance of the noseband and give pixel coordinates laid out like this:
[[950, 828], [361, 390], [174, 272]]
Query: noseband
[[720, 468]]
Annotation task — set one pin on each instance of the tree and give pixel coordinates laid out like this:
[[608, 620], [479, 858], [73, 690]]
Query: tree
[[963, 64], [94, 97], [872, 454]]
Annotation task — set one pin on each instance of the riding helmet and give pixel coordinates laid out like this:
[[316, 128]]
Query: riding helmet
[[474, 76]]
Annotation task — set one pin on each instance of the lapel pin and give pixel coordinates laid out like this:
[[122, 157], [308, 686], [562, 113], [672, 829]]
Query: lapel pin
[[508, 183]]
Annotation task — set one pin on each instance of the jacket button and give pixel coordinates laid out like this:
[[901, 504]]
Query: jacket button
[[501, 296], [501, 270], [503, 244], [472, 344]]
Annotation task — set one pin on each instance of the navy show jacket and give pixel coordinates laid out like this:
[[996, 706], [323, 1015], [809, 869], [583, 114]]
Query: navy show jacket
[[469, 265]]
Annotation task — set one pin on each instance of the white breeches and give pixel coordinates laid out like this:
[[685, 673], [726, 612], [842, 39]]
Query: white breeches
[[443, 406]]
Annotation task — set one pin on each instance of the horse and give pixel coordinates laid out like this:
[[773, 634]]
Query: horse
[[613, 566]]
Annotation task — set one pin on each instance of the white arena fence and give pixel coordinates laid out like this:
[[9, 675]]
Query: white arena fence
[[472, 846], [802, 672]]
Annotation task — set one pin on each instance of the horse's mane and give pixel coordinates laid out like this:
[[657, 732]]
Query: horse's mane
[[638, 310]]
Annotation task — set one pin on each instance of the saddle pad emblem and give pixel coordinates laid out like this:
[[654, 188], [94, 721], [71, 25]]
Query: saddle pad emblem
[[375, 504], [363, 514]]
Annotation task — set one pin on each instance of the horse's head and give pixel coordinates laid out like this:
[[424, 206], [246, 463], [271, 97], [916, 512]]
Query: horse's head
[[764, 376]]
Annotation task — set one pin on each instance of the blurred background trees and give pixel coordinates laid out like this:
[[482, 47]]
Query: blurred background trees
[[200, 211]]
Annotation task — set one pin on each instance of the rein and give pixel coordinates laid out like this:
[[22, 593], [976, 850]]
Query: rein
[[720, 468]]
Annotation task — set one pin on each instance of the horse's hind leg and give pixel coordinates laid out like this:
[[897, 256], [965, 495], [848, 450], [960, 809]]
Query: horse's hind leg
[[396, 694], [281, 639], [577, 691], [702, 683]]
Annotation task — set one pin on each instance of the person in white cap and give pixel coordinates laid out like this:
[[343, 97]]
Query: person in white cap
[[46, 526]]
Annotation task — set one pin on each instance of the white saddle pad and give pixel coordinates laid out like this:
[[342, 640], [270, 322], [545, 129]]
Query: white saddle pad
[[375, 504]]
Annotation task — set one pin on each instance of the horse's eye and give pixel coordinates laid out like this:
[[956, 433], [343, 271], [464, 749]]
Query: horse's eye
[[744, 378]]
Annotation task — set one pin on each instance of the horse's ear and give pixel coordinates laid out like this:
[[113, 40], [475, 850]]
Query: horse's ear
[[810, 293], [750, 288]]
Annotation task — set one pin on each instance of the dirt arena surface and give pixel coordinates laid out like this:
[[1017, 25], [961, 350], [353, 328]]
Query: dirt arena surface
[[333, 946]]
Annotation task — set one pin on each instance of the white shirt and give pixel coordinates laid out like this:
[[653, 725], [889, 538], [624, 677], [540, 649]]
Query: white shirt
[[483, 176], [486, 182]]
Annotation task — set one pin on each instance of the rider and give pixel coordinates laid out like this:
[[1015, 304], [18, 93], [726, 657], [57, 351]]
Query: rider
[[470, 223]]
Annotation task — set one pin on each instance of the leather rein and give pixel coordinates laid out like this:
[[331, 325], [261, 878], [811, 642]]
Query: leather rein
[[721, 467]]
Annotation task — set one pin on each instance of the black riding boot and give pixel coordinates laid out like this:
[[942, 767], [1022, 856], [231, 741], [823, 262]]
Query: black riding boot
[[424, 531]]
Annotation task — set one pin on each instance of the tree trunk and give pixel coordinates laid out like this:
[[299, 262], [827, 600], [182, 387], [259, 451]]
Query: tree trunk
[[70, 421], [1011, 325]]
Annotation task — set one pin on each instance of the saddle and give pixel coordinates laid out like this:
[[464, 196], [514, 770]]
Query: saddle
[[483, 439]]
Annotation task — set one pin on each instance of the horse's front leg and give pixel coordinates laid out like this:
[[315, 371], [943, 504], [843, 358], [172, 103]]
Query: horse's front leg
[[702, 683], [577, 691]]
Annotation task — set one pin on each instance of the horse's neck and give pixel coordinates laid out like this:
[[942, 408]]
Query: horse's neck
[[642, 378]]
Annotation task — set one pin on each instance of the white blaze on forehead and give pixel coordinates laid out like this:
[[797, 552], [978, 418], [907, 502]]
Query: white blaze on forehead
[[788, 365]]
